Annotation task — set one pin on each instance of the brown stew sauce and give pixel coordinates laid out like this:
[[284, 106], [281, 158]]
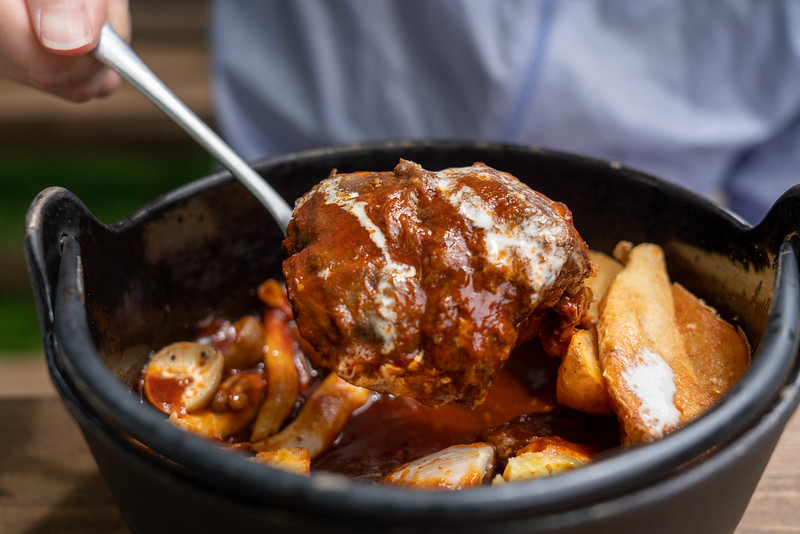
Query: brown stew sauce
[[520, 404], [390, 431]]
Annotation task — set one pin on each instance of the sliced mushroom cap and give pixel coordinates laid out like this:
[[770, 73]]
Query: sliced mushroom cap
[[244, 392], [183, 377], [247, 348]]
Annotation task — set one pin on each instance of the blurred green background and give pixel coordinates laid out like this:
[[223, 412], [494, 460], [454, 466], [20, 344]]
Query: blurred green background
[[115, 154], [112, 182]]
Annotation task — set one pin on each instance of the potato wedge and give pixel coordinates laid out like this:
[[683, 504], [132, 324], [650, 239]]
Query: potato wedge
[[545, 457], [651, 381], [607, 269], [580, 384], [292, 459], [719, 352], [622, 251]]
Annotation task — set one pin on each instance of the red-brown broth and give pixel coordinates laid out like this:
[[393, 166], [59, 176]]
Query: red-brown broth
[[390, 431]]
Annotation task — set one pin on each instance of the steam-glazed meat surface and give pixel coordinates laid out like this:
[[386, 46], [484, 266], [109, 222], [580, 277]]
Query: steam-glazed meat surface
[[420, 283]]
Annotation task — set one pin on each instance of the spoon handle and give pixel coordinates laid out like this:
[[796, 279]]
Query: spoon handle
[[115, 53]]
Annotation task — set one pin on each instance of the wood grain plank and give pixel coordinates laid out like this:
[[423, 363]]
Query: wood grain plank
[[50, 483], [775, 506]]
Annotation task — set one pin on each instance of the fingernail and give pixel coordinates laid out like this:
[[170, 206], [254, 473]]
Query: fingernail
[[65, 27]]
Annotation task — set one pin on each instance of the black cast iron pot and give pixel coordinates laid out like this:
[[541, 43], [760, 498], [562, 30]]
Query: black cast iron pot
[[108, 295]]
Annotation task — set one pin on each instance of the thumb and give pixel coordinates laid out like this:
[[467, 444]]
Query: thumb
[[68, 27]]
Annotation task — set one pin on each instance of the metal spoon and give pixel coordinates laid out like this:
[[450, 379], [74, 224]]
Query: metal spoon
[[114, 52]]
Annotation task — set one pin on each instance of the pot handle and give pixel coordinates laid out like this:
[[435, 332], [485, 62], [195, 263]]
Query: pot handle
[[782, 222], [53, 215]]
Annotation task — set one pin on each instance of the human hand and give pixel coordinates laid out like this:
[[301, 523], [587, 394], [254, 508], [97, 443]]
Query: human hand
[[45, 44]]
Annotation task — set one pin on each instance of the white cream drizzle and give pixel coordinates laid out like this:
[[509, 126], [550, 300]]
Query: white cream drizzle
[[390, 276], [652, 380], [506, 242]]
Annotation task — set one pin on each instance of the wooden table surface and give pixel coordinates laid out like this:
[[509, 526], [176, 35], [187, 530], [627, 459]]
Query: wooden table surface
[[49, 482]]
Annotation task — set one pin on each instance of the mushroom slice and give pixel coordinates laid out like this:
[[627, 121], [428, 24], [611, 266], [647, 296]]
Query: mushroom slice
[[456, 467], [273, 294], [242, 392], [292, 459], [322, 418], [544, 457], [283, 380], [247, 348], [183, 377]]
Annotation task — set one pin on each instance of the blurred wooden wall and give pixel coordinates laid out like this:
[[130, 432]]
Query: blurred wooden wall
[[171, 37]]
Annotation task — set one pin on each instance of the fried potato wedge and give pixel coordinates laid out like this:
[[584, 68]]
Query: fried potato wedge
[[456, 467], [607, 269], [292, 459], [651, 381], [580, 384], [622, 251], [545, 457], [719, 352], [322, 418]]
